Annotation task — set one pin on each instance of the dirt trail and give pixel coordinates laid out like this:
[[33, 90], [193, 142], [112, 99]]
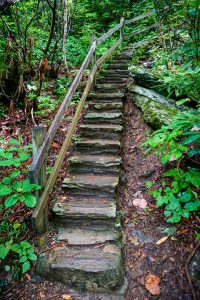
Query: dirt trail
[[142, 227]]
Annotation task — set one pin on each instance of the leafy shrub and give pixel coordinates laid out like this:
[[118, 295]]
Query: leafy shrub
[[179, 195], [15, 190]]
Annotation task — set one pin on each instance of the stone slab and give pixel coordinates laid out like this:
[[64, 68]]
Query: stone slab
[[85, 236], [88, 269]]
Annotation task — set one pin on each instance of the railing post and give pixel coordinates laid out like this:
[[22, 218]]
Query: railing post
[[93, 59], [122, 31], [38, 134]]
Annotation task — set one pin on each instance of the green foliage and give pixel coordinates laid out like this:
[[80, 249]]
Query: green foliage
[[14, 190], [178, 194]]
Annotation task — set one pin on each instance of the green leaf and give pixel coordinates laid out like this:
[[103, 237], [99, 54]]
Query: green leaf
[[15, 174], [12, 200], [5, 191], [148, 184], [194, 151], [15, 247], [4, 251], [30, 200], [7, 268], [32, 256], [12, 141], [6, 180], [23, 259], [182, 101], [185, 197], [17, 185], [27, 186], [23, 156], [25, 244], [192, 206], [26, 266], [7, 163], [191, 139]]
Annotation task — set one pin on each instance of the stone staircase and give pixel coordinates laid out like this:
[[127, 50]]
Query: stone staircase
[[87, 221]]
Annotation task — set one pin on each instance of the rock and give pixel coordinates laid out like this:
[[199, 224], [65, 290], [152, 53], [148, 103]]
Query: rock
[[139, 238], [157, 109], [86, 184], [104, 117], [98, 146], [98, 131], [87, 236], [85, 209], [143, 77], [88, 269]]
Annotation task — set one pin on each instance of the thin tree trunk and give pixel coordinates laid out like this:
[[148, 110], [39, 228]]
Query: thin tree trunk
[[65, 31]]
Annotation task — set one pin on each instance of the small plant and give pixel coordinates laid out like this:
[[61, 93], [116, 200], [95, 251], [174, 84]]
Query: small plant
[[178, 194], [15, 190]]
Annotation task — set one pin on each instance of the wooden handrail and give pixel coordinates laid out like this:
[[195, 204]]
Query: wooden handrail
[[41, 211], [56, 122]]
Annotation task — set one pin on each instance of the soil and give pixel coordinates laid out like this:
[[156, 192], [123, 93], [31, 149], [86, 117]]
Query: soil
[[142, 229]]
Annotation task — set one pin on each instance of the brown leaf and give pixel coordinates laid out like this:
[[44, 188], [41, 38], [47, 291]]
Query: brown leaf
[[66, 297], [55, 145], [140, 202], [152, 284], [162, 240]]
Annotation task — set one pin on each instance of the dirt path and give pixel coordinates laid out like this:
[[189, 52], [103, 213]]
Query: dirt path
[[142, 227]]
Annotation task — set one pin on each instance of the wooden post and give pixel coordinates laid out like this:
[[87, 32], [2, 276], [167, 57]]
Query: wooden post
[[38, 134], [122, 20], [93, 59]]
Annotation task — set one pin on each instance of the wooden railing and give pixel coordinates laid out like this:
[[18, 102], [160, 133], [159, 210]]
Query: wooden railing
[[42, 142]]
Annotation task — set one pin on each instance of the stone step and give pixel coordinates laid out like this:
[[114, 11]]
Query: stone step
[[92, 269], [97, 164], [113, 79], [91, 185], [107, 106], [110, 87], [100, 131], [117, 73], [118, 66], [85, 210], [124, 61], [104, 117], [103, 95], [98, 146], [85, 236]]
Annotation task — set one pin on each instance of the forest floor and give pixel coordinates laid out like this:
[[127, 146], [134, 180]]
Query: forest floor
[[147, 250]]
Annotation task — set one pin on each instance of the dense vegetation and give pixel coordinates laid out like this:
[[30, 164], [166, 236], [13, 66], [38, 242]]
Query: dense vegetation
[[42, 43]]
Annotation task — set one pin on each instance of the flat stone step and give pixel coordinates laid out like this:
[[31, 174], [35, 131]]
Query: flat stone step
[[82, 209], [98, 146], [101, 131], [107, 95], [87, 236], [113, 79], [97, 164], [104, 117], [110, 87], [92, 269], [107, 106], [117, 73], [118, 66], [91, 185]]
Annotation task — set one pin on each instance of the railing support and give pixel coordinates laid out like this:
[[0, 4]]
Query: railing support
[[93, 59], [38, 134], [122, 20]]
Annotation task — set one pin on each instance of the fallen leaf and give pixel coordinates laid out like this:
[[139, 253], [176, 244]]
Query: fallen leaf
[[41, 295], [55, 145], [28, 277], [180, 232], [66, 297], [152, 284], [140, 202], [162, 240]]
